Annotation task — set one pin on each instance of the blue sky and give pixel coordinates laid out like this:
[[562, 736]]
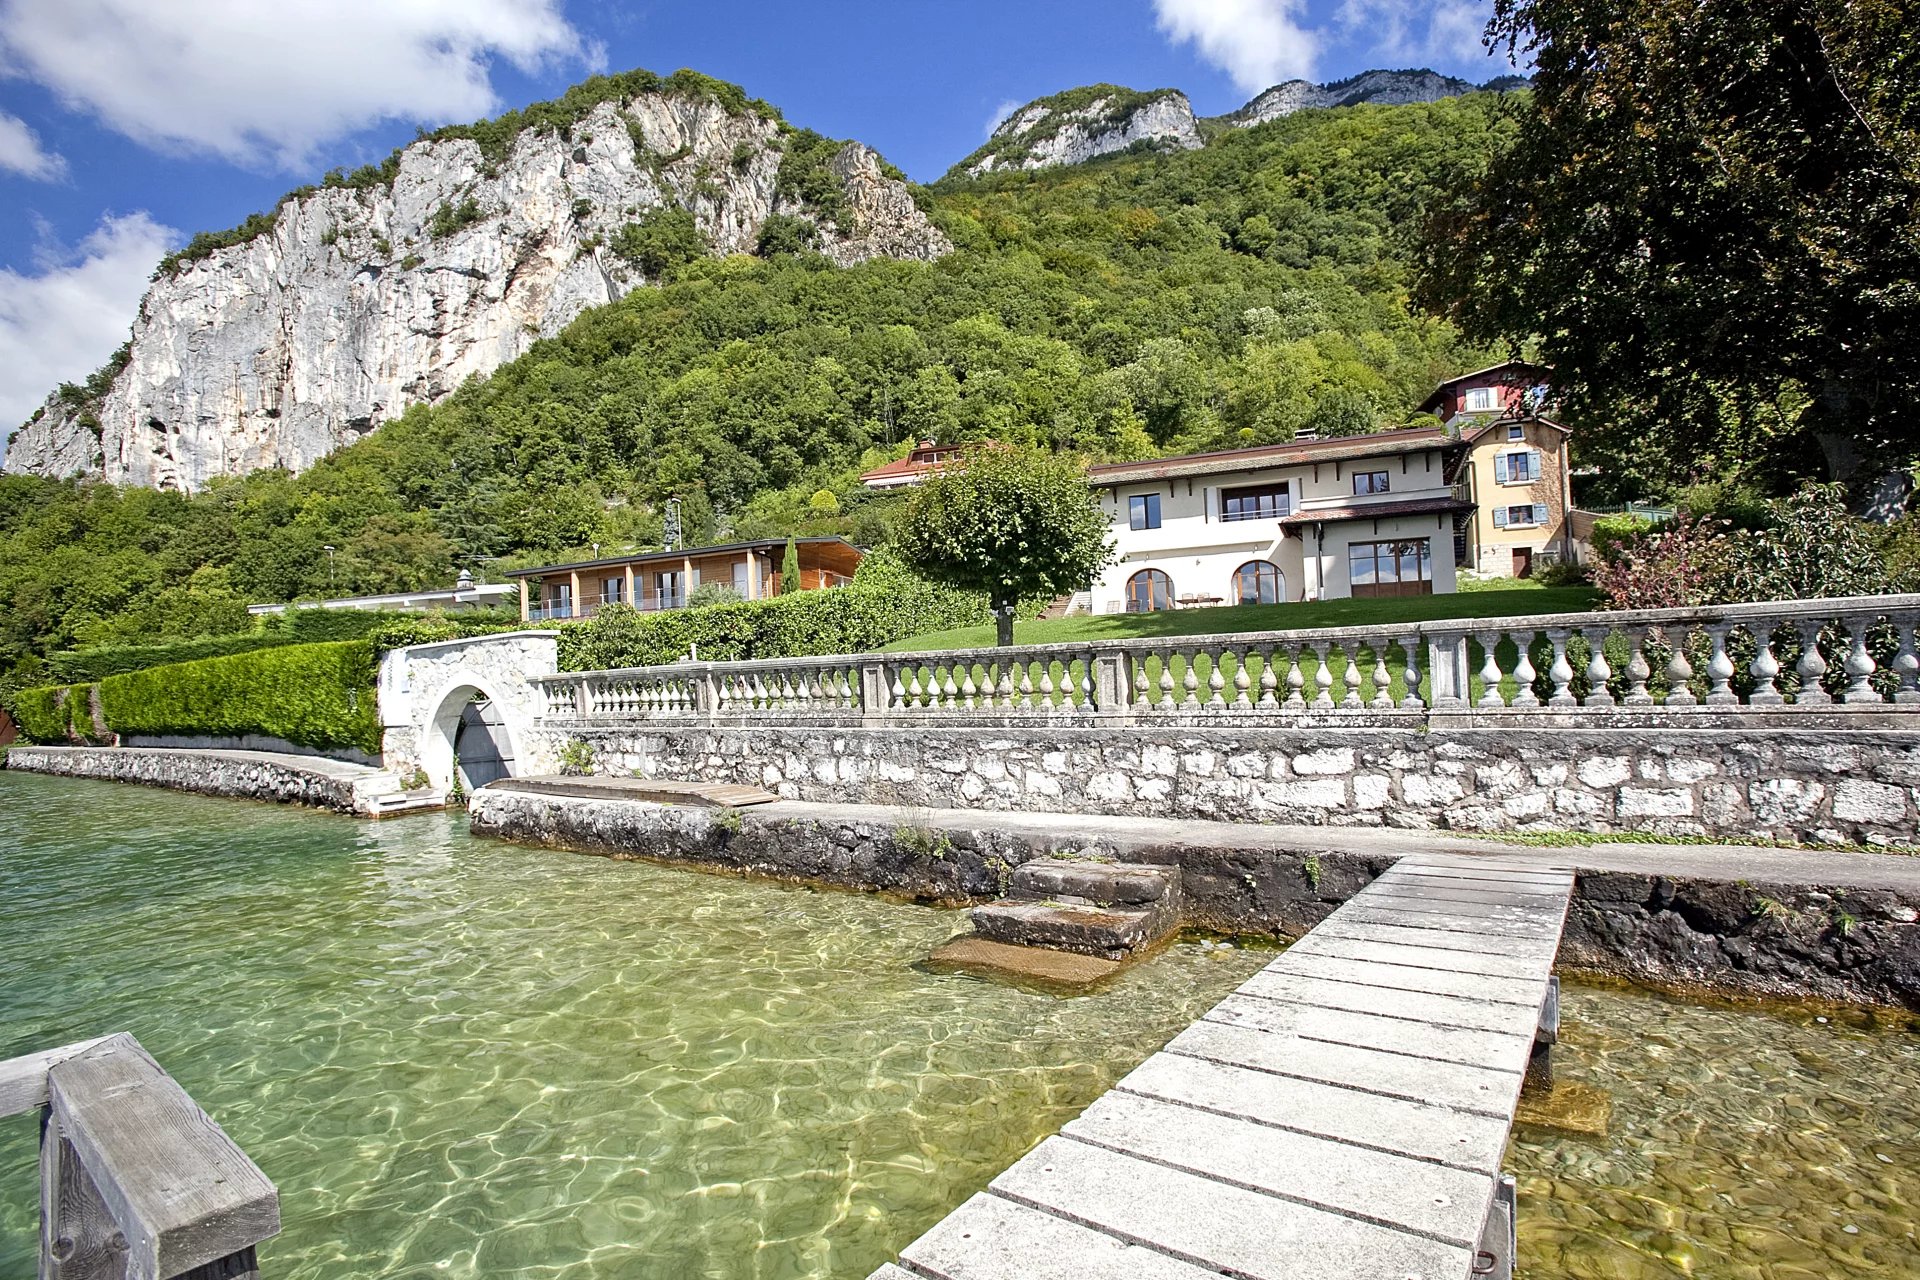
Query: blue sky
[[127, 125]]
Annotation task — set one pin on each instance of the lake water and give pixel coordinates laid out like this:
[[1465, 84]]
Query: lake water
[[463, 1058]]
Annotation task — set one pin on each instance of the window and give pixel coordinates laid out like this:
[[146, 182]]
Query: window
[[1261, 502], [669, 590], [613, 590], [1403, 568], [740, 578], [1149, 591], [1258, 582], [1527, 516], [560, 600], [1516, 432], [1517, 468], [1369, 482], [1482, 400], [1143, 511]]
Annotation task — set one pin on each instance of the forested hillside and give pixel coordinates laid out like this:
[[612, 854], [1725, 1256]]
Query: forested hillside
[[1137, 305]]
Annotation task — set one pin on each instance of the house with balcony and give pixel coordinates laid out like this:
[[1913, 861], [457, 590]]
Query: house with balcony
[[1350, 516], [1514, 467], [653, 580], [922, 460]]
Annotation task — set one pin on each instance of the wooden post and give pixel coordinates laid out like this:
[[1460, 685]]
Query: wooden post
[[525, 614], [753, 576], [632, 599]]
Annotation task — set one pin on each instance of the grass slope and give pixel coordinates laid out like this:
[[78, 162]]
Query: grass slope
[[1518, 602]]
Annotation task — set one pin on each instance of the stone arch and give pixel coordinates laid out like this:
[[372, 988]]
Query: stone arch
[[469, 713]]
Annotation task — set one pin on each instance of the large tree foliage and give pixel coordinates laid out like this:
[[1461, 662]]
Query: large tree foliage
[[1007, 522], [1709, 222]]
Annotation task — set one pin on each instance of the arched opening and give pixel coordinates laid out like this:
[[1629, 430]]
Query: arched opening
[[1149, 591], [1259, 582], [467, 739]]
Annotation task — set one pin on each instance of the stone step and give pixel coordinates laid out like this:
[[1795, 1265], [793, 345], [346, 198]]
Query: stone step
[[1109, 932], [1100, 884]]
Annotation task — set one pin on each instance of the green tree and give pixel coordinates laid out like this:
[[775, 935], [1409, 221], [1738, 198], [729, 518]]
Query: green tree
[[790, 569], [1008, 522], [1709, 220], [660, 242]]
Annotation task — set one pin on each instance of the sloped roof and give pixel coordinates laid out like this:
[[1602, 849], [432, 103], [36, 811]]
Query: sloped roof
[[1292, 453], [1524, 367], [1374, 511]]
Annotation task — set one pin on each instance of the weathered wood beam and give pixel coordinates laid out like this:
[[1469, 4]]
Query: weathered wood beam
[[23, 1080], [180, 1192]]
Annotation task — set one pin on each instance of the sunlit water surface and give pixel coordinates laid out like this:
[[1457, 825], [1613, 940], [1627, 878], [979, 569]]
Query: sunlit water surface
[[462, 1058]]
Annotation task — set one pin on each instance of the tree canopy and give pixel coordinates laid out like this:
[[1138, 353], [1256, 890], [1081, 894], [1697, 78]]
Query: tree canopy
[[1708, 221], [1007, 522]]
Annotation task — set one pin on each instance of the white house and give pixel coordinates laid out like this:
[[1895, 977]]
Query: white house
[[1370, 515]]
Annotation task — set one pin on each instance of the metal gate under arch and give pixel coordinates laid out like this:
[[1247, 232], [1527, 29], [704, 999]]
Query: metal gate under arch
[[482, 747]]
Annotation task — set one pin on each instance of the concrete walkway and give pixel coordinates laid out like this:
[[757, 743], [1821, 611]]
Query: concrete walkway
[[1342, 1115], [1899, 872]]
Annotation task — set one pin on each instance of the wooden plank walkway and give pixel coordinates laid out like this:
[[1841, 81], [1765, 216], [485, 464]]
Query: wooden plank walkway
[[1343, 1114]]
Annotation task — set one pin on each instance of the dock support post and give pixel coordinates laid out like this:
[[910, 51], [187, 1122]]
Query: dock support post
[[1499, 1239], [1539, 1077]]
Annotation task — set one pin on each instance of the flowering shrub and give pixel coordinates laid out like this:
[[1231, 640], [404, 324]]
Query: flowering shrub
[[1666, 566]]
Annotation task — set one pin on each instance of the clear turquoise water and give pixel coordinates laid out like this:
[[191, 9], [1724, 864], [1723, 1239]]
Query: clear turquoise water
[[462, 1058]]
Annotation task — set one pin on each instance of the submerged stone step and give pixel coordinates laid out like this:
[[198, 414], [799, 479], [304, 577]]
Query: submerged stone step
[[1103, 884], [1109, 932]]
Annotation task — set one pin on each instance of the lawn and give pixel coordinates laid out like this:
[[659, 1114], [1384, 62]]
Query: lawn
[[1511, 602]]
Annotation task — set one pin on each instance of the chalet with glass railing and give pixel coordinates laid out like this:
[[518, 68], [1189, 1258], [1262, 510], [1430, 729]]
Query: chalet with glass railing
[[653, 580], [1369, 515]]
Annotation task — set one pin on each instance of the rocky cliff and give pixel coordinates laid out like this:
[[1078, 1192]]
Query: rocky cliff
[[281, 341], [1386, 88], [1075, 126]]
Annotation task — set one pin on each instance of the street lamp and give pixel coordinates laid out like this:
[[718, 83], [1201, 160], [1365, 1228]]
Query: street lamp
[[332, 586]]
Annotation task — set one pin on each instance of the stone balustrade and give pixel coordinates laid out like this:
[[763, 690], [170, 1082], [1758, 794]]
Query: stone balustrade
[[1813, 663]]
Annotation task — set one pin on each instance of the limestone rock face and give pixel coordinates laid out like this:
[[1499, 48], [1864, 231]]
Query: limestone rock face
[[1073, 127], [1386, 88], [360, 302]]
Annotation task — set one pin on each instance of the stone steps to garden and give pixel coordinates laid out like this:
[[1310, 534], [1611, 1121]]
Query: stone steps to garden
[[1111, 910]]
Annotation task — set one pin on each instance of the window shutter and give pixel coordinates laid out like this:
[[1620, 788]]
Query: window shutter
[[1499, 517], [1539, 513], [1502, 472], [1534, 467]]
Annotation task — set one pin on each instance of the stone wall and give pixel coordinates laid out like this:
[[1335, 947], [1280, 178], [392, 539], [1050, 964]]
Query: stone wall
[[321, 783], [1777, 940], [417, 682], [1798, 785]]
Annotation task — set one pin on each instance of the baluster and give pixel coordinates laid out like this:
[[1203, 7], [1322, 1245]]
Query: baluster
[[1190, 682], [1382, 675], [1350, 678], [1003, 687], [1490, 695], [1323, 678], [1166, 700], [1860, 665], [1598, 669], [1812, 667], [1140, 686], [1216, 681], [1679, 670], [1297, 678], [1269, 679], [1639, 671], [1720, 669], [1523, 673], [1242, 680], [1045, 689], [897, 691], [1411, 699], [1906, 663], [1084, 683], [1561, 672], [969, 688], [946, 686], [1765, 668]]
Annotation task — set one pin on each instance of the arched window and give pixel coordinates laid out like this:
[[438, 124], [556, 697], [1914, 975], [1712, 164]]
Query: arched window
[[1149, 591], [1258, 582]]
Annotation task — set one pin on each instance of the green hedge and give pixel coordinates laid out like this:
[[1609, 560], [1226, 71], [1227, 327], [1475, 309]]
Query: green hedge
[[877, 610], [41, 713], [314, 695]]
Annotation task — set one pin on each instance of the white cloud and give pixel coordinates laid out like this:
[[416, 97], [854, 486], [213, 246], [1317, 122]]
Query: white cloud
[[62, 323], [1257, 42], [269, 82], [1445, 33], [21, 152], [1000, 113]]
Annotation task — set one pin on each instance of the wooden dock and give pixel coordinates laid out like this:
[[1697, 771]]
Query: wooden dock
[[1343, 1114]]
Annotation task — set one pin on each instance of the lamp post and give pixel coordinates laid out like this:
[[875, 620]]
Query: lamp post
[[333, 587]]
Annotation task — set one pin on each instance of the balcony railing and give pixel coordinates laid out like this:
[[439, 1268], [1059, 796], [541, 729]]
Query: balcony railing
[[561, 611], [1850, 661]]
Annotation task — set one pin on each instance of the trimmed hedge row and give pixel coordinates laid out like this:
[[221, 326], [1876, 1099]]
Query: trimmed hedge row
[[313, 695], [855, 619], [54, 715]]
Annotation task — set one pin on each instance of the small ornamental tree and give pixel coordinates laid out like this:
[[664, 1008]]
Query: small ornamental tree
[[1008, 522], [790, 569]]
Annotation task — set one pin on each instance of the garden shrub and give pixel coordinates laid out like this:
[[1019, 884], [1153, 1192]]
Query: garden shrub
[[885, 603], [313, 695], [41, 713]]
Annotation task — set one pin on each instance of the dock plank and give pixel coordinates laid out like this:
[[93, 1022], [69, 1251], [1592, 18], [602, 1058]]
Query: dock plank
[[1342, 1115]]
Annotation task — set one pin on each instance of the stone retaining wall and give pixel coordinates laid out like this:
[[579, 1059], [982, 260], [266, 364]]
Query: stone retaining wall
[[1791, 941], [323, 784], [1799, 785]]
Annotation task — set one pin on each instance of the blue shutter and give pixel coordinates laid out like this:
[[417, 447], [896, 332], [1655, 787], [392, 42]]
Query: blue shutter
[[1539, 513], [1502, 473], [1535, 466], [1499, 517]]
